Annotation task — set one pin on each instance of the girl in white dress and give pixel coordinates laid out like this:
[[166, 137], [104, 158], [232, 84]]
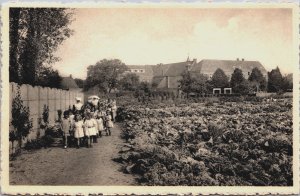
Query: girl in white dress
[[78, 129], [90, 129]]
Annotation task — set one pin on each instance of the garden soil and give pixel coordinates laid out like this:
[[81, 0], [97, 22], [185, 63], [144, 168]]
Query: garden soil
[[71, 166]]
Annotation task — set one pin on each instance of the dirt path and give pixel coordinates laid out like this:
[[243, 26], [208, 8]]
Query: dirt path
[[84, 166]]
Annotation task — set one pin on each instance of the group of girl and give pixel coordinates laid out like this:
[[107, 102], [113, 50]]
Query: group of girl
[[86, 124]]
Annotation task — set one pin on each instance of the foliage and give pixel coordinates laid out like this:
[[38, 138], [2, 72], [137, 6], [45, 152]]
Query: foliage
[[39, 143], [226, 144], [79, 82], [59, 114], [287, 83], [238, 83], [193, 83], [35, 34], [48, 77], [258, 79], [275, 80], [129, 82], [54, 131], [219, 79], [145, 87], [105, 74], [46, 114], [20, 119]]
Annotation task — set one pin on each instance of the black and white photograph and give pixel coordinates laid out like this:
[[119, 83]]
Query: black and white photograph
[[154, 98]]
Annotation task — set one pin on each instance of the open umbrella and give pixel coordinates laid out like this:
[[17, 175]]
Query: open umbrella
[[93, 99]]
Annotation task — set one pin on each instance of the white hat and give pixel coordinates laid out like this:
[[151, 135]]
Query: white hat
[[78, 99]]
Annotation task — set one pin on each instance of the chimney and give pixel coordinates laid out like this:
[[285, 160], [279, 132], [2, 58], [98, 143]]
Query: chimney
[[70, 75], [194, 61], [243, 59], [237, 59]]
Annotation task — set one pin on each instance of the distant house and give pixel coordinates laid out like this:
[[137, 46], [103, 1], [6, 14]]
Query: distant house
[[145, 72], [208, 67], [68, 83], [168, 75]]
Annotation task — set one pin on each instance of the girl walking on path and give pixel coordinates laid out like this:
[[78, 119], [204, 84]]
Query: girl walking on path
[[114, 110], [94, 118], [66, 127], [78, 130], [90, 129]]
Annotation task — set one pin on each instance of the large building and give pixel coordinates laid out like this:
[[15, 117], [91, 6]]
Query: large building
[[168, 75]]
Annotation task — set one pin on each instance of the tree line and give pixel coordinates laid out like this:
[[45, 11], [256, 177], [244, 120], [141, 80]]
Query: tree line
[[107, 75], [34, 36], [200, 83]]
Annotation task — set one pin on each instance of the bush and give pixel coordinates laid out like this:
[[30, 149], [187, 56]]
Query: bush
[[33, 145], [42, 142], [54, 131], [20, 119], [231, 99]]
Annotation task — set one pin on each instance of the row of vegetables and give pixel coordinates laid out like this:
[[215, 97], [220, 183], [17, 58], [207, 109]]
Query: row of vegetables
[[220, 144]]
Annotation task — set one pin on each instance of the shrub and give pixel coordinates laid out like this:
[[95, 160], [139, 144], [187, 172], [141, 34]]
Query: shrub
[[39, 143], [20, 119]]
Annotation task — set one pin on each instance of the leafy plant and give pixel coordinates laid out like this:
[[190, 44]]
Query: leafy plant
[[20, 119]]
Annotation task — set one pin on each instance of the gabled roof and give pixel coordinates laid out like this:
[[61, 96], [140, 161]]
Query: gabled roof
[[228, 66], [172, 69], [68, 83]]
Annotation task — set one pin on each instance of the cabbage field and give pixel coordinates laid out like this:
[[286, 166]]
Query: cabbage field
[[200, 144]]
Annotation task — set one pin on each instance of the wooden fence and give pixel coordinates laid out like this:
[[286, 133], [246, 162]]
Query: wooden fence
[[37, 97]]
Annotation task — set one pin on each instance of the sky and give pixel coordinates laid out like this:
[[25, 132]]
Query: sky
[[149, 36]]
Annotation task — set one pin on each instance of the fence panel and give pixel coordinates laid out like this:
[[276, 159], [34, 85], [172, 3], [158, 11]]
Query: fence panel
[[36, 98]]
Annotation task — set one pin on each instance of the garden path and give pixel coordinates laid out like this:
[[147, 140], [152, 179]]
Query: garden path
[[71, 166]]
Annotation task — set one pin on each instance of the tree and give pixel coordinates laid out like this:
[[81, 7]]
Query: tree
[[193, 83], [275, 80], [257, 79], [145, 87], [48, 77], [238, 83], [20, 119], [105, 74], [79, 82], [219, 79], [130, 82], [287, 83], [35, 34], [14, 68]]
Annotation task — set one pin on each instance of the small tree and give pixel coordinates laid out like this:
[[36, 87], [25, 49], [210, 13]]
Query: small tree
[[287, 83], [257, 79], [130, 82], [219, 79], [238, 83], [196, 83], [20, 119], [275, 80]]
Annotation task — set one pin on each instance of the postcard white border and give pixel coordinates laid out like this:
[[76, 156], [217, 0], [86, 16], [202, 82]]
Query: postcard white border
[[112, 190]]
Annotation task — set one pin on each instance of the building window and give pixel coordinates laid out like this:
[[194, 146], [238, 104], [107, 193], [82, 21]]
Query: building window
[[135, 70], [142, 71]]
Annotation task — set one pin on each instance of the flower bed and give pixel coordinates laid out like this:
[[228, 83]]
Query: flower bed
[[243, 143]]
